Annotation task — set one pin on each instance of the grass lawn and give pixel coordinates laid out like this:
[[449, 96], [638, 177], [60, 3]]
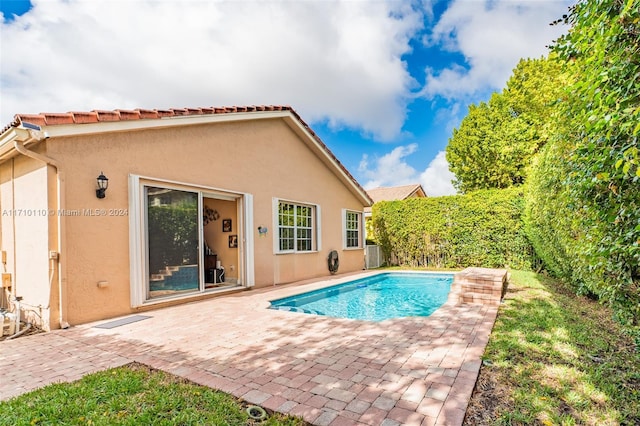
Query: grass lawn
[[130, 395], [555, 359]]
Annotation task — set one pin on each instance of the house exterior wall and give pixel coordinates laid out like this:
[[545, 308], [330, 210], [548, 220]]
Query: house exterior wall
[[264, 158], [27, 234]]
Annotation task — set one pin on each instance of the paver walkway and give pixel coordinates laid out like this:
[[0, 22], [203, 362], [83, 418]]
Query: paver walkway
[[330, 371]]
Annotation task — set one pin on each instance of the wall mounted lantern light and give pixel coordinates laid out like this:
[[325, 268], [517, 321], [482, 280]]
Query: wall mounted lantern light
[[103, 184]]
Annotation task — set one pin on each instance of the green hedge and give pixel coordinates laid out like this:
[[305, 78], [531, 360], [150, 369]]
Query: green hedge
[[552, 221], [583, 197], [575, 239], [482, 228]]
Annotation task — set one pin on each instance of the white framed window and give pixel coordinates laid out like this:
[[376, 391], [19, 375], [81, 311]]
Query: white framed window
[[352, 229], [297, 225]]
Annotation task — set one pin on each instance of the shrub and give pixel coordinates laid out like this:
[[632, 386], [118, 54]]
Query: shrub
[[483, 228]]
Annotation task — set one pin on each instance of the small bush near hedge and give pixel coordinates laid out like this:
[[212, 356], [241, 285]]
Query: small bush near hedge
[[483, 228]]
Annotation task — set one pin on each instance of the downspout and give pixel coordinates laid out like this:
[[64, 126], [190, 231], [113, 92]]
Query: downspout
[[19, 147]]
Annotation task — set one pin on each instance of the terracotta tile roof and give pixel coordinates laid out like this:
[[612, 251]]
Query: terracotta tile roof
[[98, 116], [395, 192]]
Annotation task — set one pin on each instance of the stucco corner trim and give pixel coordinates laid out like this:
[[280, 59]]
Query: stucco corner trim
[[136, 269]]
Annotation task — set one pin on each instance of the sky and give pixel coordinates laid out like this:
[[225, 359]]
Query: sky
[[383, 83]]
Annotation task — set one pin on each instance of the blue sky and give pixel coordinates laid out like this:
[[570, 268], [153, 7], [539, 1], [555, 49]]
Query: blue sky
[[383, 83]]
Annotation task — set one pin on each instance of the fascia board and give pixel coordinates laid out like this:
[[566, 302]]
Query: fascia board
[[7, 139], [326, 158]]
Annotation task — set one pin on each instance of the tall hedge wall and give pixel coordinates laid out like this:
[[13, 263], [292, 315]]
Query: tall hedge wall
[[482, 228], [583, 195]]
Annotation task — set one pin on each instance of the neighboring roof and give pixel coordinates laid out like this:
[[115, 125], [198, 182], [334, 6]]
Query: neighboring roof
[[57, 124], [396, 192]]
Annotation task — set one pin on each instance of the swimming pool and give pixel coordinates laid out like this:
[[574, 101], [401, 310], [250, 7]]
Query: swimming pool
[[377, 298]]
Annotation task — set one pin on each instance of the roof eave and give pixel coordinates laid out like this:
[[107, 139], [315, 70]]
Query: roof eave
[[61, 130], [417, 190], [16, 134], [327, 157]]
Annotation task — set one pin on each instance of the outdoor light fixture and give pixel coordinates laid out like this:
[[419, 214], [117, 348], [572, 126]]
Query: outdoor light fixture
[[103, 184]]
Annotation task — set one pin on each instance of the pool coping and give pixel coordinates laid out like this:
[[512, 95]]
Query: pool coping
[[322, 285], [303, 287]]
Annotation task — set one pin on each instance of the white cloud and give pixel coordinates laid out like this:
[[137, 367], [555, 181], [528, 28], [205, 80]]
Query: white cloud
[[492, 35], [333, 61], [436, 179], [392, 170]]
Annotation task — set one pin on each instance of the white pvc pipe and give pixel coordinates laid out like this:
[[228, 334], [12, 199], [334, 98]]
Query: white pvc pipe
[[19, 147], [24, 330], [17, 302]]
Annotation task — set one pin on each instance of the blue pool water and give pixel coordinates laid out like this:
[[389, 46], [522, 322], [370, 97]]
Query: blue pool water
[[377, 298]]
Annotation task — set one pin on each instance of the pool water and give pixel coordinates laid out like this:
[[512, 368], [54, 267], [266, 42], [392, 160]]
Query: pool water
[[377, 298]]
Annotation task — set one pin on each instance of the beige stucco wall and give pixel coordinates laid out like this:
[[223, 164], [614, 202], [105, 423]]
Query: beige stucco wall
[[27, 236], [264, 158]]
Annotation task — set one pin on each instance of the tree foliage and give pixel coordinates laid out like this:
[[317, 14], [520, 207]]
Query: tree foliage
[[583, 199], [483, 228], [496, 141]]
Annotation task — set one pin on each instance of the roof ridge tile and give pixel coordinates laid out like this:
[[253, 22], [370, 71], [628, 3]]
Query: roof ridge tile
[[106, 115], [58, 118], [83, 117], [147, 113], [126, 114], [97, 115]]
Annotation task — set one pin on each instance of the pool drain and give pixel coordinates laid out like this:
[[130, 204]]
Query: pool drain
[[256, 413]]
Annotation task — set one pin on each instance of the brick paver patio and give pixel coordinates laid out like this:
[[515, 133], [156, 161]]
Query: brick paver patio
[[330, 371]]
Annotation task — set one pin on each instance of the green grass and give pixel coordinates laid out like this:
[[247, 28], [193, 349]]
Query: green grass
[[556, 359], [130, 395]]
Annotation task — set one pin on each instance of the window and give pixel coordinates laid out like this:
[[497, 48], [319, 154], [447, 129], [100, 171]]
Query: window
[[296, 227], [352, 226]]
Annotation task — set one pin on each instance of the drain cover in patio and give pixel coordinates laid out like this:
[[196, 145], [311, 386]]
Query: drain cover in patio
[[122, 321]]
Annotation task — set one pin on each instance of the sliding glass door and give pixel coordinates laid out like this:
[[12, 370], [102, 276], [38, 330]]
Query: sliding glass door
[[172, 241]]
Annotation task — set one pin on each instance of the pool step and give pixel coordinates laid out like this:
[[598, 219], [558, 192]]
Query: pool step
[[484, 286]]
